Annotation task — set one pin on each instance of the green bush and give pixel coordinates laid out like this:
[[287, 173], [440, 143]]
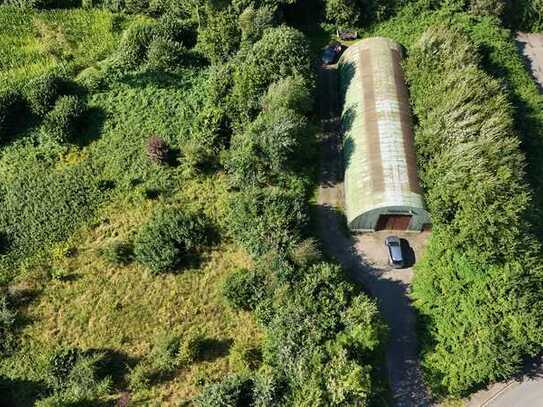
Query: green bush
[[479, 273], [267, 61], [343, 13], [12, 105], [170, 352], [263, 220], [253, 22], [62, 122], [457, 295], [173, 28], [42, 92], [292, 92], [134, 45], [74, 377], [244, 289], [265, 150], [306, 253], [93, 79], [494, 8], [164, 54], [233, 391], [219, 37], [168, 239], [324, 338], [354, 13], [118, 253], [244, 357], [524, 15]]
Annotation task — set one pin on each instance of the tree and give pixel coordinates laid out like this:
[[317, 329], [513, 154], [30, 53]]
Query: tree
[[157, 150], [264, 150], [281, 52], [343, 13], [253, 22], [220, 36]]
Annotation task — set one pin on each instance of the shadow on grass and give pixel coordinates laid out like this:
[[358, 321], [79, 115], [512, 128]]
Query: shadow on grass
[[19, 392], [92, 124], [212, 349]]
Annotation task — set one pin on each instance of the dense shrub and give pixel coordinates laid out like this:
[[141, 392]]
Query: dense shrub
[[118, 253], [233, 391], [219, 37], [74, 376], [269, 60], [164, 54], [132, 51], [265, 149], [353, 13], [292, 92], [42, 92], [306, 253], [169, 353], [343, 13], [11, 106], [93, 79], [211, 128], [322, 337], [173, 28], [263, 220], [481, 271], [253, 22], [458, 295], [487, 7], [62, 122], [168, 239], [244, 357], [243, 289]]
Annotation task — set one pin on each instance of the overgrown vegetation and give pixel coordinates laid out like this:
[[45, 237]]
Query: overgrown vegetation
[[156, 160], [480, 283], [195, 160]]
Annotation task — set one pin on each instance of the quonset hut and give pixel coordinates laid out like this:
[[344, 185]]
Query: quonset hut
[[382, 190]]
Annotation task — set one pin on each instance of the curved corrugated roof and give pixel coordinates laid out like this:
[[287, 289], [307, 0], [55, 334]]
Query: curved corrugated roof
[[380, 165]]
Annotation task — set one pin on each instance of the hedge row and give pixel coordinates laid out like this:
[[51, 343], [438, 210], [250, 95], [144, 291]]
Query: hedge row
[[480, 284]]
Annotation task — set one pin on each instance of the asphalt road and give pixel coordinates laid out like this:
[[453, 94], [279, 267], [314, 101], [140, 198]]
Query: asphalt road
[[391, 292]]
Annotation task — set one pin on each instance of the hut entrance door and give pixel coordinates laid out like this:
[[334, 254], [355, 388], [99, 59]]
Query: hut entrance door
[[393, 222]]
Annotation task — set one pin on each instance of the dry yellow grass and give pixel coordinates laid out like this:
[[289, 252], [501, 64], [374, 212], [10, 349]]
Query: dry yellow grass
[[99, 306]]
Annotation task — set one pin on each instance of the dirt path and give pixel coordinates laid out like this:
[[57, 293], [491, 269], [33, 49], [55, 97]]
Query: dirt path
[[360, 256]]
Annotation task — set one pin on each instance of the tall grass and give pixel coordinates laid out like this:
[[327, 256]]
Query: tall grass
[[33, 42]]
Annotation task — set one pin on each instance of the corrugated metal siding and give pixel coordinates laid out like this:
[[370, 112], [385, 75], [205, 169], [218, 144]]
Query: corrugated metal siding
[[380, 165]]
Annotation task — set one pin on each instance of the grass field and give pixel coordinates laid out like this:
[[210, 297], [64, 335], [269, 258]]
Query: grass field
[[72, 297], [33, 42]]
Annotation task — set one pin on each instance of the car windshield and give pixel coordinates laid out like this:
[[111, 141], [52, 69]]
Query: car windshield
[[393, 243]]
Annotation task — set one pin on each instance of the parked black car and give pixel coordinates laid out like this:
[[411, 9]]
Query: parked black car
[[395, 255], [331, 53]]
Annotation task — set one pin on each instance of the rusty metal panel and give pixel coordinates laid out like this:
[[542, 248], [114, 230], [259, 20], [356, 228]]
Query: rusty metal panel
[[380, 164]]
